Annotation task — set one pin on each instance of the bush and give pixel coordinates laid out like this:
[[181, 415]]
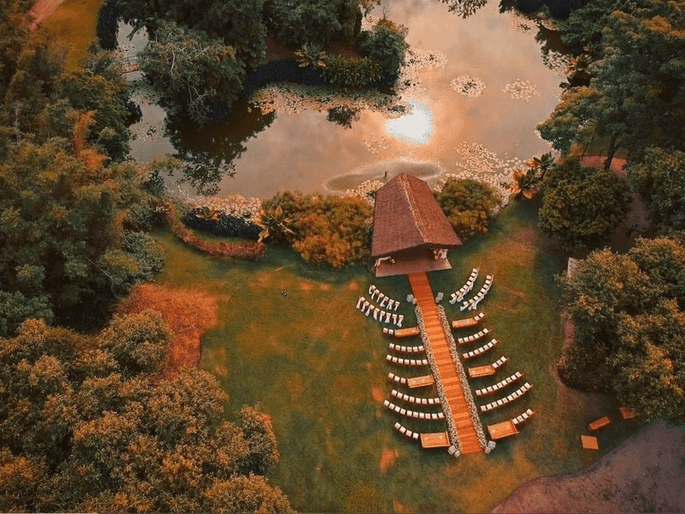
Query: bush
[[469, 205], [355, 72], [281, 71], [222, 224], [333, 230], [385, 45], [582, 206]]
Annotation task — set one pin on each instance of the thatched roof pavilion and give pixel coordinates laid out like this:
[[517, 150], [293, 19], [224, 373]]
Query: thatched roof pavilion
[[410, 231]]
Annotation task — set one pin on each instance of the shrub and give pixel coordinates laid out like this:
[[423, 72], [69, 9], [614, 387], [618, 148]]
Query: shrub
[[385, 45], [222, 224], [582, 206], [333, 230], [469, 205], [353, 72]]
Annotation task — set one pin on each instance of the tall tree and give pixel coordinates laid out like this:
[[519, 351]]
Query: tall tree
[[628, 312], [635, 98]]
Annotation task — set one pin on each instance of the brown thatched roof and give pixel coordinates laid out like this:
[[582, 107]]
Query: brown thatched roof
[[407, 215]]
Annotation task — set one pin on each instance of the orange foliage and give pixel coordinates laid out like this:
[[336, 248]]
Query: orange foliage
[[188, 313], [91, 158]]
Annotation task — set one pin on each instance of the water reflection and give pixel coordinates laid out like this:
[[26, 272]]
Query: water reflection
[[416, 127], [333, 149]]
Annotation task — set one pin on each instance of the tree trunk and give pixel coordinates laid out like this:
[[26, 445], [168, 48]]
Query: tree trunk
[[613, 144]]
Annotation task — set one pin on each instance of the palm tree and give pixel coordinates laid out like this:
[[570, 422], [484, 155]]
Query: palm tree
[[542, 164], [311, 55], [274, 223], [526, 183]]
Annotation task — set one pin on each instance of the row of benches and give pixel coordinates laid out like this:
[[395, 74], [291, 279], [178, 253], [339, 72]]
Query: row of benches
[[429, 416], [405, 431], [382, 299], [414, 399], [406, 349], [520, 419], [474, 337], [472, 304], [503, 401], [406, 362], [466, 288], [499, 385], [480, 350]]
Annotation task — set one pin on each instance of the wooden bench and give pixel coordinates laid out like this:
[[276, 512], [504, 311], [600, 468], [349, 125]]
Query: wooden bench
[[426, 380], [626, 413], [481, 371], [501, 430], [589, 442], [407, 332], [599, 423]]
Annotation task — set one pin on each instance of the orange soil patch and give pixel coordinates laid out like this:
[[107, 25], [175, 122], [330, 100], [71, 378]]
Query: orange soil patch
[[377, 394], [353, 286], [388, 459], [188, 313], [325, 287], [306, 286]]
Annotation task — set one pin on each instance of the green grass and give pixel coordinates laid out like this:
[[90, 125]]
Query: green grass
[[74, 23], [317, 366]]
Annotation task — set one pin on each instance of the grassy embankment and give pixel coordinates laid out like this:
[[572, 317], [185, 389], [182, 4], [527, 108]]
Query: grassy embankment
[[74, 23], [317, 366]]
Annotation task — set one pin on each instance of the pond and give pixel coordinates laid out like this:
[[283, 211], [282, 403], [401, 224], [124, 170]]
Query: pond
[[485, 131]]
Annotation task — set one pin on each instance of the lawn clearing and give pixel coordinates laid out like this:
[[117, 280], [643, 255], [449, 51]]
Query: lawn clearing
[[74, 23], [317, 366]]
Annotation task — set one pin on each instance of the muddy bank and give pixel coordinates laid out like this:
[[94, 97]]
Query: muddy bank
[[644, 474]]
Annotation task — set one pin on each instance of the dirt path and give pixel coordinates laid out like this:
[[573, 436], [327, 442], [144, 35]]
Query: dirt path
[[644, 474], [42, 10]]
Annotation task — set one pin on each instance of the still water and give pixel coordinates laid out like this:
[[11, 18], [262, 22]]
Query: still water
[[446, 132]]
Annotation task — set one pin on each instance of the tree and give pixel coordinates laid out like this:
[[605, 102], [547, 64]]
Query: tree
[[659, 179], [190, 70], [83, 427], [385, 45], [629, 324], [469, 205], [582, 206], [634, 97]]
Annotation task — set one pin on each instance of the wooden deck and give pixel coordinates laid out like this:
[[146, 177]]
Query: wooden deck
[[435, 440], [426, 380], [448, 372]]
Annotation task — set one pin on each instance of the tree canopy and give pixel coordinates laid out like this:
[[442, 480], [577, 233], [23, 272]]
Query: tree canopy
[[581, 207], [84, 427], [635, 96], [630, 326], [469, 205], [659, 179]]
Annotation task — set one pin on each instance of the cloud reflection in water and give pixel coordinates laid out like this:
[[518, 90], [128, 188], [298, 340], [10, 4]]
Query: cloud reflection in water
[[416, 127]]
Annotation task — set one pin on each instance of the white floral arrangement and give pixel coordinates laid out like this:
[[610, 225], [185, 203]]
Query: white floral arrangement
[[231, 205], [451, 428], [468, 86], [521, 90], [365, 190], [473, 408]]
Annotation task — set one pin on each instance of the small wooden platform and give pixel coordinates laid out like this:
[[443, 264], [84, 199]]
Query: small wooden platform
[[435, 440], [503, 429], [589, 442], [464, 323], [599, 423], [626, 413], [426, 380], [407, 332], [482, 371]]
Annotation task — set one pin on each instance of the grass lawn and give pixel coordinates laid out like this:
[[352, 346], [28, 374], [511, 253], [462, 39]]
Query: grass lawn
[[317, 366], [74, 23]]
